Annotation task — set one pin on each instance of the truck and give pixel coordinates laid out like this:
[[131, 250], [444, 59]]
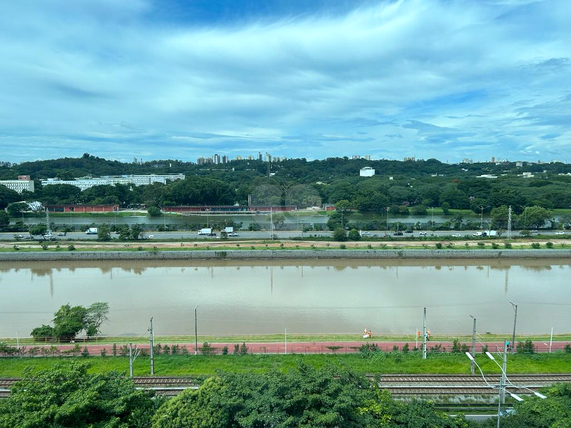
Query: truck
[[91, 231], [205, 231]]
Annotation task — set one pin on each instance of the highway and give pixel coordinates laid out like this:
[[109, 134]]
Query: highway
[[279, 235]]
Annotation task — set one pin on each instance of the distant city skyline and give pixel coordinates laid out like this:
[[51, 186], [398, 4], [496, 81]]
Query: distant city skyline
[[392, 79]]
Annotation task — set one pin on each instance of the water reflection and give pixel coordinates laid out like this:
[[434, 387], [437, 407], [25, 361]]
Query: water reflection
[[313, 296]]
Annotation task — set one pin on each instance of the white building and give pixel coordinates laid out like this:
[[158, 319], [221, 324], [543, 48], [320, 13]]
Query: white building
[[137, 180], [366, 172], [22, 183]]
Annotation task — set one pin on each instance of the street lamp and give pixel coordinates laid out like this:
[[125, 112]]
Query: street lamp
[[388, 208], [504, 382], [473, 346], [515, 321]]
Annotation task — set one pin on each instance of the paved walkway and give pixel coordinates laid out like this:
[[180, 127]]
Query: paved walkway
[[302, 347]]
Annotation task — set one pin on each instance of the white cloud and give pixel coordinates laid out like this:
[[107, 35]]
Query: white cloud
[[477, 71]]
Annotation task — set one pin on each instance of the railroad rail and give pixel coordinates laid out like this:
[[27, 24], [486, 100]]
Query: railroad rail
[[399, 385]]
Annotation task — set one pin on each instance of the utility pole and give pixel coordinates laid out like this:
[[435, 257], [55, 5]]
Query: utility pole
[[195, 332], [132, 357], [503, 378], [515, 323], [152, 341], [509, 222], [473, 346], [424, 336]]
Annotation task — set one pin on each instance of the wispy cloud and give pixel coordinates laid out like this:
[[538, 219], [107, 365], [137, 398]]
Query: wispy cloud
[[311, 79]]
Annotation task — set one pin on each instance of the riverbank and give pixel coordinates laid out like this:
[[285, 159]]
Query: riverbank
[[154, 253]]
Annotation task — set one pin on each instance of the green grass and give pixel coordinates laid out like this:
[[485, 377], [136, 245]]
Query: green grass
[[293, 338], [378, 363]]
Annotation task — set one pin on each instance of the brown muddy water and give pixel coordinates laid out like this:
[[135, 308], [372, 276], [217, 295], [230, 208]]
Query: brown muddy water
[[302, 296]]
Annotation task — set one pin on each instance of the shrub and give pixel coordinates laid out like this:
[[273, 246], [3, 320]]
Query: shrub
[[343, 246], [85, 352], [243, 349], [526, 347], [225, 350], [567, 348], [439, 245], [71, 247], [549, 244], [495, 245], [339, 234], [236, 349], [481, 245], [206, 349], [103, 352], [368, 350], [114, 349], [405, 348], [536, 246], [354, 235], [507, 245]]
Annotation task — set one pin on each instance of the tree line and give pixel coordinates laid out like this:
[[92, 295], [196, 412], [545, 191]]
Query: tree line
[[402, 187], [67, 395]]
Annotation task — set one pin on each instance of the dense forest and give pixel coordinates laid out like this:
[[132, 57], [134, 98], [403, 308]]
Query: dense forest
[[402, 187]]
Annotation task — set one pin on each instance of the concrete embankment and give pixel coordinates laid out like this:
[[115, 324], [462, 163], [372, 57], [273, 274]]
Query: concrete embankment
[[424, 254]]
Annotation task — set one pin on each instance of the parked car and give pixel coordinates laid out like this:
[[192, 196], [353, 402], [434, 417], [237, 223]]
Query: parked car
[[398, 234], [423, 233], [560, 233]]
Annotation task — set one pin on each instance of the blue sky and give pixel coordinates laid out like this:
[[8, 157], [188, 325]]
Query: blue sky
[[445, 79]]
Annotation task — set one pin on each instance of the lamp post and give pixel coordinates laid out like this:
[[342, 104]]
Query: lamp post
[[515, 323], [388, 208], [473, 346], [195, 332], [504, 382]]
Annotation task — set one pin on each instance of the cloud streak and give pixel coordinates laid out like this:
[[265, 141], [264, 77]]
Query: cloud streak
[[487, 78]]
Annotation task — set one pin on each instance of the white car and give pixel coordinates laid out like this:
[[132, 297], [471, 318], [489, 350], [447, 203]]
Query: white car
[[422, 233], [456, 235], [560, 233]]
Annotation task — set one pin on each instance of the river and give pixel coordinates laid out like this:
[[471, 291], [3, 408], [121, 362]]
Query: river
[[310, 296]]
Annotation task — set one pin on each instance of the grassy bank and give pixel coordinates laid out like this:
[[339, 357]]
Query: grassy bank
[[375, 363], [293, 338]]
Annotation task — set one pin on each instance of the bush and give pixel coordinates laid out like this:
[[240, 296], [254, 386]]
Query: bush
[[103, 352], [368, 350], [243, 349], [354, 235], [225, 350], [507, 245], [495, 245], [526, 347], [405, 348], [343, 246], [439, 245], [481, 245], [568, 348], [536, 245], [549, 244], [340, 234]]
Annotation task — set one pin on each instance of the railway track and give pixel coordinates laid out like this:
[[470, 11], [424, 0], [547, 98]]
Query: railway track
[[399, 385]]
